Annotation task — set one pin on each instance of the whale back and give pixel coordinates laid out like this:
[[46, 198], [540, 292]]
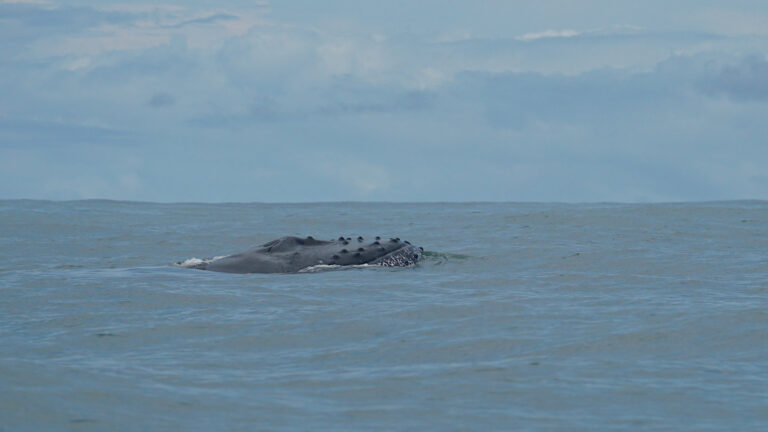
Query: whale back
[[291, 254]]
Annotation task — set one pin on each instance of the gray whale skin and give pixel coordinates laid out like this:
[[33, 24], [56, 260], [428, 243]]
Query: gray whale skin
[[292, 254]]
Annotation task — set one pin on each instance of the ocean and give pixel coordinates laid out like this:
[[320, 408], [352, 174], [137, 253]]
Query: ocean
[[540, 317]]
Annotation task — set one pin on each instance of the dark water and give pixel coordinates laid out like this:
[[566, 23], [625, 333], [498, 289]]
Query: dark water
[[523, 317]]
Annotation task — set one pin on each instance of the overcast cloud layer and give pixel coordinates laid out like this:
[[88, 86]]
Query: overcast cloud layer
[[392, 101]]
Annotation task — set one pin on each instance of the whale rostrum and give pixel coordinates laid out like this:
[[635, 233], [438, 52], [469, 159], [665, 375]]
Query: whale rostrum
[[292, 254]]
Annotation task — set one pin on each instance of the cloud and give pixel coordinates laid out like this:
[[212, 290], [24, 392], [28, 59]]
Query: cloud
[[25, 1], [547, 34], [43, 30], [209, 19], [518, 100], [348, 95], [159, 100], [15, 132], [336, 100], [24, 24], [45, 17], [732, 22], [336, 108], [747, 80]]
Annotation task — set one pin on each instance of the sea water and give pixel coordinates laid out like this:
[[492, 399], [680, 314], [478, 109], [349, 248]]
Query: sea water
[[589, 317]]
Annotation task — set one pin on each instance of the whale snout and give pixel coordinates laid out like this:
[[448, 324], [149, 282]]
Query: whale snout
[[405, 256]]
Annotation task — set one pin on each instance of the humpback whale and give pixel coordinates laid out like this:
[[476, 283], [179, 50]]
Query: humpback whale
[[294, 254]]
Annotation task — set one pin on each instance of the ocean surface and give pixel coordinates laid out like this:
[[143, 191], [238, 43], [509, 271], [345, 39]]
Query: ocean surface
[[541, 317]]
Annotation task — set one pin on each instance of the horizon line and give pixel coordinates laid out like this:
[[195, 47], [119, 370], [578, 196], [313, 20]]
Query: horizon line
[[110, 200]]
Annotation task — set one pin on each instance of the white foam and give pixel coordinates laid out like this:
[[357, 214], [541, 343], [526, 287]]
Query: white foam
[[194, 262], [319, 267], [326, 267]]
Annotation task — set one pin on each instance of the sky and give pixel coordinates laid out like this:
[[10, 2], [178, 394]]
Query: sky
[[341, 100]]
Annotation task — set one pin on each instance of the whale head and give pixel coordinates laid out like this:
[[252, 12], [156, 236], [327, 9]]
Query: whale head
[[292, 254]]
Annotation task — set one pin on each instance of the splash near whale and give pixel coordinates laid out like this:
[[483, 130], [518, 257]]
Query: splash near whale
[[296, 254]]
